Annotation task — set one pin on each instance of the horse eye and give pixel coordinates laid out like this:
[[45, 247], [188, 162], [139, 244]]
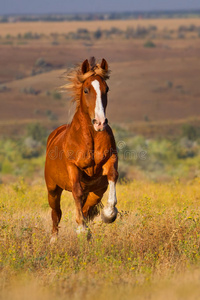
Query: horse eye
[[107, 89], [86, 90]]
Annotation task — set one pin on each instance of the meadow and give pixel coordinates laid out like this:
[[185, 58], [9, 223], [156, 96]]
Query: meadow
[[153, 244]]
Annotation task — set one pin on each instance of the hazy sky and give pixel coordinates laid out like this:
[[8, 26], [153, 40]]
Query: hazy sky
[[77, 6]]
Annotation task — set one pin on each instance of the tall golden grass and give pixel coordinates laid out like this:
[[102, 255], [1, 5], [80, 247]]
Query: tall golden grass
[[152, 251]]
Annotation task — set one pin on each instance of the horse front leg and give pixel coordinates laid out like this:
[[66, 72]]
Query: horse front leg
[[109, 213]]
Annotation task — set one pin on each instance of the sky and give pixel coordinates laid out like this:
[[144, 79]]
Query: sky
[[85, 6]]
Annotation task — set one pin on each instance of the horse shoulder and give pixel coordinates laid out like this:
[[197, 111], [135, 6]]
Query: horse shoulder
[[56, 134]]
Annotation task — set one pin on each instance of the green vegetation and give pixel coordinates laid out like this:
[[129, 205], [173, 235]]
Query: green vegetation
[[41, 66], [23, 156], [149, 44], [29, 90], [40, 62], [157, 159], [31, 36], [52, 116], [56, 95], [37, 132]]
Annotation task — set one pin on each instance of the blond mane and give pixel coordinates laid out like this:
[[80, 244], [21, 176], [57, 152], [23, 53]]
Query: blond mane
[[75, 79]]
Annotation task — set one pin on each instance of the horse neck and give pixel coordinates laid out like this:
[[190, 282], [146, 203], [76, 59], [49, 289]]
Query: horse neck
[[82, 121]]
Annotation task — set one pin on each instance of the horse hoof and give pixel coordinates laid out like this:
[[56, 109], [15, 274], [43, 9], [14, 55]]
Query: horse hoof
[[109, 214], [54, 238]]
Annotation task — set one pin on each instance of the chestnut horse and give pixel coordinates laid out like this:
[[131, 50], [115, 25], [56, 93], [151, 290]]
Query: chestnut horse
[[82, 157]]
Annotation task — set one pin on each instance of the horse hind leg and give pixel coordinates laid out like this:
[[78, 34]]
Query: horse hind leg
[[56, 213]]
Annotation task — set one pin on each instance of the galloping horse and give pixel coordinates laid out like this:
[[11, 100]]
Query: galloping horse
[[81, 157]]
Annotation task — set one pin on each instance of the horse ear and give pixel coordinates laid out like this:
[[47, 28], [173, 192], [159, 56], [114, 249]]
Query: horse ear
[[104, 65], [85, 66]]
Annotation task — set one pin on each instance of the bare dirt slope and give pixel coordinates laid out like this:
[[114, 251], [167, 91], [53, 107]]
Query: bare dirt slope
[[146, 85]]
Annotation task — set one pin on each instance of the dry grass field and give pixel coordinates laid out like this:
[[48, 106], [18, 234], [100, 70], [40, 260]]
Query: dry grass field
[[65, 27], [150, 252]]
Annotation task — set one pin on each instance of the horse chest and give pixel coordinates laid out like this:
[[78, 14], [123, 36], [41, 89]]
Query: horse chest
[[85, 160], [93, 158], [102, 149]]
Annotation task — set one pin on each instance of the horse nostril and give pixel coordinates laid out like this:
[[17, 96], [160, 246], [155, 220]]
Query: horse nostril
[[99, 123]]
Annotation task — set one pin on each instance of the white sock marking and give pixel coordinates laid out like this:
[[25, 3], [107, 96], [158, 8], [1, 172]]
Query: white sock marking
[[99, 110], [112, 198]]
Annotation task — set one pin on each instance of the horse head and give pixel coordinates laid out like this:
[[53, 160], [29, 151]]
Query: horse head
[[94, 92]]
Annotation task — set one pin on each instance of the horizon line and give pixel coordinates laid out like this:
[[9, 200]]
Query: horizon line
[[189, 10]]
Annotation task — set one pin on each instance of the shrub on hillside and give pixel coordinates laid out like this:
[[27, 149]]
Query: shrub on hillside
[[32, 148], [29, 90], [98, 34], [55, 43], [51, 116], [190, 132], [149, 44], [41, 66], [187, 148], [40, 62], [19, 76], [129, 33], [169, 84], [37, 132], [3, 88], [181, 36], [56, 95], [30, 35]]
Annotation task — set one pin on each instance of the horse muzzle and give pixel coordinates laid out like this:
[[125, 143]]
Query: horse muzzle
[[99, 125]]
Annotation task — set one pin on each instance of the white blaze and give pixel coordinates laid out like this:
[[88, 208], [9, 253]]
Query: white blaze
[[99, 110]]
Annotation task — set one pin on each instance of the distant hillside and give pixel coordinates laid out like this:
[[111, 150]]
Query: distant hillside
[[100, 16], [154, 83]]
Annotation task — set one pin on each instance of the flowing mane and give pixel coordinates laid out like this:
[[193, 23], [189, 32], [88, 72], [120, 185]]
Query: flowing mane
[[75, 79]]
